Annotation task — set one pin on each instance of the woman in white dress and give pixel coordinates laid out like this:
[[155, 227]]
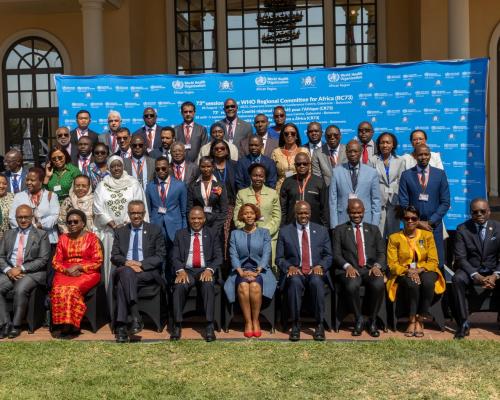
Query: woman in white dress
[[111, 198], [418, 137]]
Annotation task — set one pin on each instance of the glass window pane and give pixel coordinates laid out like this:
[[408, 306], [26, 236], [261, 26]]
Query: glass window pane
[[340, 35], [195, 21], [196, 59], [252, 57], [209, 38], [267, 57], [340, 17], [355, 15], [26, 82], [234, 19], [233, 4], [299, 55], [235, 58], [316, 55], [370, 34], [250, 19], [356, 33], [208, 21], [12, 82], [12, 60], [301, 40], [315, 35], [315, 16], [42, 99], [182, 22], [26, 100], [13, 100], [235, 39], [182, 5], [209, 59], [283, 56], [340, 54], [195, 5], [370, 53], [196, 40], [355, 54], [252, 38], [182, 41], [369, 15], [42, 82]]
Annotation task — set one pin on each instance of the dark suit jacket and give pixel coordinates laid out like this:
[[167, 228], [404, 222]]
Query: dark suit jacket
[[271, 144], [94, 136], [153, 247], [157, 140], [470, 254], [288, 251], [243, 178], [199, 137], [230, 181], [191, 173], [158, 152], [212, 250], [437, 188], [243, 129], [37, 253], [345, 250], [315, 193], [150, 165], [219, 203], [22, 184]]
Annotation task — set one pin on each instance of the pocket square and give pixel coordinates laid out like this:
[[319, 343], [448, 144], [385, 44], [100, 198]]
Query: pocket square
[[494, 238]]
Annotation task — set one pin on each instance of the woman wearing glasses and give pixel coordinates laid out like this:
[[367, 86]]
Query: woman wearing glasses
[[59, 172], [217, 132], [413, 264], [80, 198], [98, 170], [284, 155]]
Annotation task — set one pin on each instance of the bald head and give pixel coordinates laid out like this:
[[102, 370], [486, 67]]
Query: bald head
[[13, 160], [302, 212], [353, 152]]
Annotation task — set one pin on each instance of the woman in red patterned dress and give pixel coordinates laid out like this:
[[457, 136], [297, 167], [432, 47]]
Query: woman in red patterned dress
[[77, 264]]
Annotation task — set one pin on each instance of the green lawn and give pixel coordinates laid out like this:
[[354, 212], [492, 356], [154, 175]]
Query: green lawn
[[243, 370]]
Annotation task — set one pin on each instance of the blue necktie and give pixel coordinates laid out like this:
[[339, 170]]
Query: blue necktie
[[135, 245], [482, 232], [15, 183]]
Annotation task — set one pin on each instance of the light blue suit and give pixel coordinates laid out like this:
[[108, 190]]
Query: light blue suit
[[260, 252], [367, 190]]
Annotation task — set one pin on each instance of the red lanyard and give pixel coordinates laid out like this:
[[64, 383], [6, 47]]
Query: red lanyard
[[137, 173], [287, 154], [36, 198], [302, 187], [207, 190]]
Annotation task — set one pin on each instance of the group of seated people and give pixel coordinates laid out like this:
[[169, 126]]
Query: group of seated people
[[173, 207]]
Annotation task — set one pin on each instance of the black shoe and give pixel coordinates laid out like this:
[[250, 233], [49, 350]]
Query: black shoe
[[121, 334], [319, 333], [294, 333], [176, 332], [462, 331], [4, 331], [373, 330], [358, 327], [136, 326], [14, 332], [210, 333]]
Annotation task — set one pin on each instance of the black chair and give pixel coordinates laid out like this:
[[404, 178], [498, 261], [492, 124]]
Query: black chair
[[306, 308], [268, 311], [399, 308], [153, 303], [342, 308], [35, 314], [97, 307]]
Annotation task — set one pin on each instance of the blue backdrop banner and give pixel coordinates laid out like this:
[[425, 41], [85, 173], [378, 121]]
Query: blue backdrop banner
[[447, 99]]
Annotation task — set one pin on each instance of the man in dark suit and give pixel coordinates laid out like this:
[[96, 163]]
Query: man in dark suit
[[196, 256], [261, 125], [151, 130], [242, 178], [139, 255], [123, 139], [167, 136], [477, 257], [15, 172], [359, 257], [236, 128], [182, 169], [191, 134], [332, 154], [304, 186], [63, 138], [82, 129], [110, 137], [365, 139], [24, 254], [304, 256], [140, 166], [426, 188], [84, 156], [314, 135]]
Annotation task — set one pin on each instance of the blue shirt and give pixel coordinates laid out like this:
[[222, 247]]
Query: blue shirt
[[133, 232]]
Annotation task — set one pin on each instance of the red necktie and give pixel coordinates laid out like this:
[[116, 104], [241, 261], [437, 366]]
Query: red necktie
[[187, 133], [20, 250], [150, 138], [422, 179], [306, 257], [196, 251], [359, 245], [365, 154]]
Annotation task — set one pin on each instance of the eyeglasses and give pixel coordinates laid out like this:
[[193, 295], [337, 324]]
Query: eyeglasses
[[113, 120], [229, 106], [136, 212], [301, 164], [137, 145], [479, 212], [290, 134], [63, 135], [217, 131], [410, 219], [219, 148], [100, 153], [365, 130], [57, 158], [72, 222], [279, 115], [333, 135], [158, 169], [149, 115], [24, 217], [121, 138]]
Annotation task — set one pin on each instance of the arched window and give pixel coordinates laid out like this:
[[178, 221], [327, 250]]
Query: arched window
[[30, 102]]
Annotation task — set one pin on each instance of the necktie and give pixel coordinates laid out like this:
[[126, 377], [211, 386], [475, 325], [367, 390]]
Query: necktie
[[85, 163], [196, 251], [150, 138], [113, 143], [354, 179], [422, 179], [359, 245], [163, 193], [365, 153], [333, 159], [230, 134], [306, 257], [20, 250], [187, 133], [15, 183], [178, 174], [139, 171], [482, 232], [135, 245]]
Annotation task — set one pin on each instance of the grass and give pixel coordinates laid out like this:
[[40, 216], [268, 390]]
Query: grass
[[251, 370]]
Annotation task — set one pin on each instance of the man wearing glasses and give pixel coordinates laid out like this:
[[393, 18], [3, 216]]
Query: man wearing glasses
[[236, 128], [63, 138], [82, 129], [477, 255], [114, 125], [151, 131], [332, 154], [123, 139], [365, 135], [191, 134], [140, 166]]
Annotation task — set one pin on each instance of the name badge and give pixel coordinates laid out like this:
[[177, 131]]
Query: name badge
[[353, 196], [261, 219], [423, 197], [289, 173], [57, 188], [207, 209], [389, 190], [162, 210], [413, 265], [187, 146]]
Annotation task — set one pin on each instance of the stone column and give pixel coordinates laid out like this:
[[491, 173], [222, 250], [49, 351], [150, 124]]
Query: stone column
[[458, 29], [93, 37]]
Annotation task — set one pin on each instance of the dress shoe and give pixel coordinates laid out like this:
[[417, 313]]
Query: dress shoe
[[210, 333], [358, 327], [248, 334], [4, 331], [136, 326], [122, 334], [462, 331], [14, 332], [176, 332], [373, 330], [319, 333], [294, 334], [257, 334]]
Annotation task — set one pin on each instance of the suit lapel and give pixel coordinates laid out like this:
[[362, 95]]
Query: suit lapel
[[295, 239], [347, 176], [29, 242], [379, 165], [350, 234]]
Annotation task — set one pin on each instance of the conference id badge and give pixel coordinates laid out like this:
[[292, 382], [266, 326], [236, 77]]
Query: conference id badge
[[423, 197], [187, 146], [289, 174], [162, 210], [353, 196], [389, 190], [261, 219], [57, 188], [413, 265], [207, 209]]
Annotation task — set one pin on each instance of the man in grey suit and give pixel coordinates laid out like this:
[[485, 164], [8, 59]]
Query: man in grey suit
[[191, 134], [354, 180], [261, 125], [332, 154], [151, 131], [24, 254], [236, 128], [140, 166], [182, 169], [109, 138]]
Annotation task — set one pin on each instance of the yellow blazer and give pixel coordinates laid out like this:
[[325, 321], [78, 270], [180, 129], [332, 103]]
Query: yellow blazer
[[400, 256]]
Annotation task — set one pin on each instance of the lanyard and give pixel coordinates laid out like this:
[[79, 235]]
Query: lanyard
[[205, 191], [257, 198], [411, 245], [289, 154], [59, 177], [221, 177], [302, 187], [426, 179], [35, 198], [137, 172], [163, 196], [386, 166]]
